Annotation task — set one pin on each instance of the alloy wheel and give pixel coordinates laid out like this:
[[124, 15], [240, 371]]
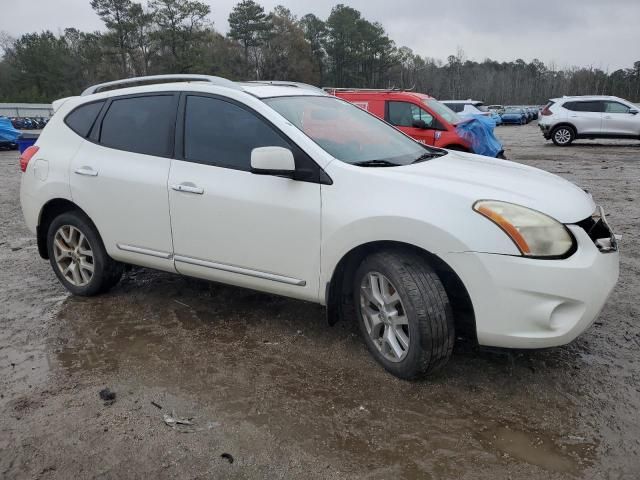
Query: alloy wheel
[[562, 135], [384, 316], [73, 255]]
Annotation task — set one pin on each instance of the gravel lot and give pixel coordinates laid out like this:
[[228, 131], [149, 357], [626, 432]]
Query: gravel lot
[[265, 380]]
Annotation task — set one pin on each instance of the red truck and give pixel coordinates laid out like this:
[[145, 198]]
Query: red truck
[[418, 115]]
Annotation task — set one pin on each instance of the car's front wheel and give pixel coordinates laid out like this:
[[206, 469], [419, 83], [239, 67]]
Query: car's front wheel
[[404, 313], [78, 257], [562, 136]]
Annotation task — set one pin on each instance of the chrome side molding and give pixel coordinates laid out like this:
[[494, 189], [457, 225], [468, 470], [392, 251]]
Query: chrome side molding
[[144, 251], [241, 271]]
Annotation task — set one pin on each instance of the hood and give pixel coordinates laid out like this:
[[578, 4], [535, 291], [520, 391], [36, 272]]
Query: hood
[[482, 178]]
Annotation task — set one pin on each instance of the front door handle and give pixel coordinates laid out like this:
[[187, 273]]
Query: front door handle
[[188, 188], [88, 171], [607, 116]]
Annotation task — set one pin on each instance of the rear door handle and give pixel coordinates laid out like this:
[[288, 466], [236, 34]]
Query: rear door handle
[[188, 188], [607, 116], [88, 171]]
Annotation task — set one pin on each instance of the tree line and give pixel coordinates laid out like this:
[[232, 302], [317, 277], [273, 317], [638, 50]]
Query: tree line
[[344, 50]]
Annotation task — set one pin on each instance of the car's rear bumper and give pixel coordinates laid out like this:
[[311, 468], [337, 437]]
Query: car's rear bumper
[[545, 129], [528, 303]]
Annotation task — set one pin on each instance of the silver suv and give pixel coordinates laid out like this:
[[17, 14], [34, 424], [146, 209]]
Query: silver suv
[[566, 119]]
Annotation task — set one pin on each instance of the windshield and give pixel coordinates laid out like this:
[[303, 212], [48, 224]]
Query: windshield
[[513, 110], [442, 110], [347, 132], [481, 107]]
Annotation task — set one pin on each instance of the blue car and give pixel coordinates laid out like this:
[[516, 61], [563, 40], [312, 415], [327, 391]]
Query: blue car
[[495, 116], [515, 116]]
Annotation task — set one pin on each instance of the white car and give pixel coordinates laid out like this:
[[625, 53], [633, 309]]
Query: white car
[[467, 108], [284, 189], [566, 119]]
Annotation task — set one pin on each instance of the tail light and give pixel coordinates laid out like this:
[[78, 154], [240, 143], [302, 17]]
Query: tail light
[[26, 156], [546, 111]]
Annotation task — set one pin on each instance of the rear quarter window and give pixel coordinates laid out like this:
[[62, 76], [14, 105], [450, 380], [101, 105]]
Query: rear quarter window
[[83, 117]]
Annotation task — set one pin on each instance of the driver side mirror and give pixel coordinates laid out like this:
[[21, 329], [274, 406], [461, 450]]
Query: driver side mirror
[[633, 111], [419, 124], [273, 161]]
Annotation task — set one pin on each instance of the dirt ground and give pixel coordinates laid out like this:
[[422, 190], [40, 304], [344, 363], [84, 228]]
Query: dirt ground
[[268, 382]]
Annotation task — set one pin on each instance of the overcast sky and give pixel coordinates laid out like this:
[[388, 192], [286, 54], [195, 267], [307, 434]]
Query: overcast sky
[[599, 33]]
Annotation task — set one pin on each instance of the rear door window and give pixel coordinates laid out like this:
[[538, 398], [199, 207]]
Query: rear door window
[[82, 118], [140, 125], [590, 106]]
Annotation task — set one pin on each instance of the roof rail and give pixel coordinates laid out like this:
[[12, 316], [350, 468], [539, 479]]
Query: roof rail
[[223, 82], [346, 89], [285, 83]]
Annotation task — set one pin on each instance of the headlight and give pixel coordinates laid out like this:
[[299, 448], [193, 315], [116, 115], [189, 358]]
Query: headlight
[[534, 233]]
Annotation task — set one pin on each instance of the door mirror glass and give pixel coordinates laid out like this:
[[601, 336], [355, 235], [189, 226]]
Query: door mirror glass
[[272, 161], [633, 111]]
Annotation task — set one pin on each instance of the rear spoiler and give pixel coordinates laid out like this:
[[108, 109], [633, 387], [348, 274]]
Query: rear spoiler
[[58, 103]]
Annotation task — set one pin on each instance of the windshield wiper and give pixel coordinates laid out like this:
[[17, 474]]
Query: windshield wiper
[[428, 156], [376, 163]]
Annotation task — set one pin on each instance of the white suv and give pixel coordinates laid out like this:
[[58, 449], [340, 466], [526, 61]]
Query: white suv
[[284, 189], [566, 119]]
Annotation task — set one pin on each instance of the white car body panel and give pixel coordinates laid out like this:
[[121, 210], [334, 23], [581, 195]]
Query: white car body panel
[[259, 223], [286, 237], [37, 189], [622, 123], [127, 201]]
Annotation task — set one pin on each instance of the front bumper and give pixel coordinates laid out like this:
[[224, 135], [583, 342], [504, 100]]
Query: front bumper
[[527, 303]]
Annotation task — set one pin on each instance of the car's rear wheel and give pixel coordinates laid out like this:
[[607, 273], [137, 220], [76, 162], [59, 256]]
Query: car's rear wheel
[[78, 257], [404, 313], [563, 136]]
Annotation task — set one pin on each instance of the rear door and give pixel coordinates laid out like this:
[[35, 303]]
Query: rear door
[[234, 226], [617, 119], [586, 116], [119, 177], [406, 116]]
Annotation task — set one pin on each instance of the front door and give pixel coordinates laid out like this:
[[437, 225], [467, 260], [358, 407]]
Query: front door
[[407, 117], [119, 178], [233, 226], [617, 119]]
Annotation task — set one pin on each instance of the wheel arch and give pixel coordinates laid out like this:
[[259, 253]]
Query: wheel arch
[[339, 291], [565, 124], [48, 212]]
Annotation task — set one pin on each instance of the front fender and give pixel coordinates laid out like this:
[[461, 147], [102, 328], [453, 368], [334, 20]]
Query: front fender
[[428, 237]]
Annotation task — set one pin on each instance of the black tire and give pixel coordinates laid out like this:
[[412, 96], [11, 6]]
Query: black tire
[[106, 271], [563, 135], [426, 306]]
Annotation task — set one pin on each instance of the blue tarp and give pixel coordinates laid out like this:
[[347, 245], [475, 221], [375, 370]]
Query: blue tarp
[[7, 132], [478, 131]]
